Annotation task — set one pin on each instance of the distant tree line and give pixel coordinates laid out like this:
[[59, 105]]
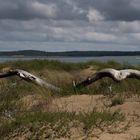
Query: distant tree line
[[70, 53]]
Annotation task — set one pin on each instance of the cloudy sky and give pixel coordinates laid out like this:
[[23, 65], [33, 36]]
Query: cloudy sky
[[64, 25]]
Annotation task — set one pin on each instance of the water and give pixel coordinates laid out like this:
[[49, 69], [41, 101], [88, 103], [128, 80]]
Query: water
[[121, 59]]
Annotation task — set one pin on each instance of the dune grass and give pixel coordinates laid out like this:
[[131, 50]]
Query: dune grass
[[61, 119], [60, 74]]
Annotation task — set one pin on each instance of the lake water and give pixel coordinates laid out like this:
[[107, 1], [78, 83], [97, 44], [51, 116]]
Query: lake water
[[120, 59]]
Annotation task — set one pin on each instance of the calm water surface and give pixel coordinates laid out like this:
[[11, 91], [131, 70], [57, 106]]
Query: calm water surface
[[120, 59]]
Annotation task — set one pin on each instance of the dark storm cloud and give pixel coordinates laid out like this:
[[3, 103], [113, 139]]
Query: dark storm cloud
[[91, 21], [30, 9], [126, 10], [24, 10]]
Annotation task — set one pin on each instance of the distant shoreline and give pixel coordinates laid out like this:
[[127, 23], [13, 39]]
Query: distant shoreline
[[36, 53], [27, 56]]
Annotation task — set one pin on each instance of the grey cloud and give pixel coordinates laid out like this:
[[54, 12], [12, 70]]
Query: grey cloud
[[25, 10], [110, 22], [122, 10], [45, 31], [114, 9], [55, 30], [30, 9]]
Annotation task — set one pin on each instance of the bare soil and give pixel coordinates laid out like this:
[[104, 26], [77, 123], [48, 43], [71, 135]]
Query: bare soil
[[126, 130]]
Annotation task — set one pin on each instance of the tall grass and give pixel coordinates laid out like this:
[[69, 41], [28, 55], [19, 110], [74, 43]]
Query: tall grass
[[43, 64], [61, 74], [12, 89], [57, 65], [88, 119]]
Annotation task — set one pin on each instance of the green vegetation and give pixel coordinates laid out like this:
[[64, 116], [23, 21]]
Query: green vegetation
[[97, 118], [61, 74], [117, 101], [93, 119], [38, 65], [12, 89]]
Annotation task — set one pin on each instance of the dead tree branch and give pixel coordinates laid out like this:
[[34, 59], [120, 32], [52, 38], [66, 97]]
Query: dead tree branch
[[116, 75], [28, 77]]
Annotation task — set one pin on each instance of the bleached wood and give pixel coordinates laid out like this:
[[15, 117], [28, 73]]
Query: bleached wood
[[116, 75], [28, 77]]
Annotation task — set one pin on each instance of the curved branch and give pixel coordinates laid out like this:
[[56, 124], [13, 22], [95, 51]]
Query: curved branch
[[116, 75], [28, 77]]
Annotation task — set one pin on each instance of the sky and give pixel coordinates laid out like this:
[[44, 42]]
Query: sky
[[69, 25]]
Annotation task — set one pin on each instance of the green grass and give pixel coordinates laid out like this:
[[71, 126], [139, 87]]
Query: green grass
[[95, 119], [9, 91], [13, 88], [117, 101], [57, 65], [38, 65], [88, 119], [129, 87]]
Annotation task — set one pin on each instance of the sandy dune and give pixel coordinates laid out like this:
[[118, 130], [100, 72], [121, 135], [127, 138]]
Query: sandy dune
[[86, 103]]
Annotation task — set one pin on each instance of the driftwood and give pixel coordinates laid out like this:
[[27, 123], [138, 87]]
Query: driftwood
[[116, 75], [28, 77]]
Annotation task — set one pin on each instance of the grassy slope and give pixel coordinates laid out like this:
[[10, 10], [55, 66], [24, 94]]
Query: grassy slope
[[61, 74]]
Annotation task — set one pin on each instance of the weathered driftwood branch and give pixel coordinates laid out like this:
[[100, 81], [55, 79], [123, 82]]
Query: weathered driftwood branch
[[28, 77], [116, 75]]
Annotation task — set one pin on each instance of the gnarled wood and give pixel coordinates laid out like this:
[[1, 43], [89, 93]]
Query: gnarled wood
[[116, 75], [28, 77]]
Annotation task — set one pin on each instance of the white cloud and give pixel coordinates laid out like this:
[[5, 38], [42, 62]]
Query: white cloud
[[135, 4], [47, 10], [94, 36], [135, 36], [129, 27], [94, 15]]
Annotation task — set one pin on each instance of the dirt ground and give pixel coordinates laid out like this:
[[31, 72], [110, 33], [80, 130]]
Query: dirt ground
[[86, 103], [129, 129]]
